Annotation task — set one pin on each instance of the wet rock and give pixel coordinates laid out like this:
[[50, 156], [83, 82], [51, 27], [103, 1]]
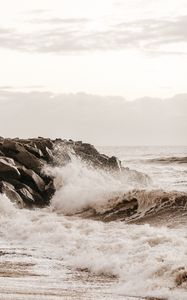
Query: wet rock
[[45, 146], [32, 179], [37, 152], [22, 162], [8, 168], [114, 163], [89, 153], [48, 154], [30, 197], [49, 189], [1, 153], [29, 161], [9, 191], [26, 196], [19, 153], [10, 145], [21, 168]]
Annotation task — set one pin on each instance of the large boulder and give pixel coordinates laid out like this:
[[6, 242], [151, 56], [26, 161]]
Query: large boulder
[[45, 146], [91, 155], [30, 196], [22, 155], [37, 152], [114, 163], [32, 179], [8, 189], [8, 168], [27, 197], [21, 168]]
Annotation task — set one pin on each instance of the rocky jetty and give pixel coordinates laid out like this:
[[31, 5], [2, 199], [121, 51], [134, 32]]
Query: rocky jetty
[[22, 163]]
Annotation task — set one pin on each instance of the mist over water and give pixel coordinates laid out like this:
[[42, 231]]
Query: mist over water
[[143, 260]]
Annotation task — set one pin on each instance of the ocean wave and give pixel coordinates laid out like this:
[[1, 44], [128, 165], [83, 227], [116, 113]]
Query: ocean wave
[[169, 160], [144, 258], [127, 196], [143, 205], [80, 186]]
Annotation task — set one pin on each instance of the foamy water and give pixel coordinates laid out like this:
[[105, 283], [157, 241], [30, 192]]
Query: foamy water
[[167, 176], [46, 254]]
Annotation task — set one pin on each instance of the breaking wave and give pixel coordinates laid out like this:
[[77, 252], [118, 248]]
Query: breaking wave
[[80, 186], [129, 196], [145, 259], [169, 160]]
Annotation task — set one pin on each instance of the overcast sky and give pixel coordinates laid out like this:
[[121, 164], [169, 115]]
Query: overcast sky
[[131, 48], [96, 119], [125, 48]]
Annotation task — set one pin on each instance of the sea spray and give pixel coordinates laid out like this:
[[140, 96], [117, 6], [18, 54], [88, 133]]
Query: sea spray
[[80, 186]]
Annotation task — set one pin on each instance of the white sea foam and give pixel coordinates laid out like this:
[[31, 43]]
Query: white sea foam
[[80, 186], [145, 259]]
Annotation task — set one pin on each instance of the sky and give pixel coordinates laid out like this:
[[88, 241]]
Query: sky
[[131, 48], [122, 50]]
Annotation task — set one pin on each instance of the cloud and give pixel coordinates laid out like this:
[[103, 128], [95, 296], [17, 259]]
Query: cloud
[[76, 35], [57, 21], [155, 32], [28, 87], [36, 11], [11, 39], [93, 118]]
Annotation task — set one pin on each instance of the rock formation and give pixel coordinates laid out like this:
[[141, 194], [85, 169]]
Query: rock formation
[[22, 161]]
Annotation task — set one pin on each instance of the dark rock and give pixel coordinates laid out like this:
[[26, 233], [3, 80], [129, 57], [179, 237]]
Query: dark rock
[[90, 154], [43, 143], [29, 161], [114, 163], [49, 190], [1, 153], [26, 196], [30, 197], [86, 148], [17, 184], [48, 154], [9, 191], [37, 152], [46, 147], [21, 166], [11, 145], [8, 168], [20, 154], [32, 179]]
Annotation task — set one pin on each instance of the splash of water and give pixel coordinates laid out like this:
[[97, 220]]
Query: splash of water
[[79, 186]]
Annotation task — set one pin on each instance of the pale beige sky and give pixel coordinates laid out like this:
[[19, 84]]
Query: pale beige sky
[[95, 119], [130, 48]]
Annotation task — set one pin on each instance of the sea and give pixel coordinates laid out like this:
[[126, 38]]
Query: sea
[[57, 253]]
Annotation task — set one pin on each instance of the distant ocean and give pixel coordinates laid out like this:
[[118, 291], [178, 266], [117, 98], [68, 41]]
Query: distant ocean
[[53, 253]]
